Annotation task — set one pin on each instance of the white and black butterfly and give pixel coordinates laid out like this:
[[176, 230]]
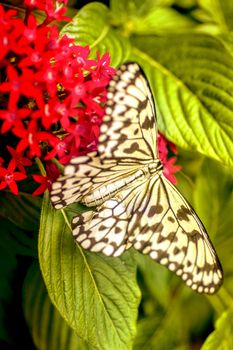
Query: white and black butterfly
[[135, 205]]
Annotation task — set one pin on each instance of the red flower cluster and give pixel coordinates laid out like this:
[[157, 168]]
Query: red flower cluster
[[52, 95]]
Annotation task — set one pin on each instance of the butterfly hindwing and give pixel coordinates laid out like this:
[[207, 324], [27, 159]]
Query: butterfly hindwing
[[77, 180], [165, 227], [103, 230]]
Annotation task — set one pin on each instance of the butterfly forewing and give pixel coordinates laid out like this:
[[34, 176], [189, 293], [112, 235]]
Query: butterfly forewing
[[135, 204], [129, 126]]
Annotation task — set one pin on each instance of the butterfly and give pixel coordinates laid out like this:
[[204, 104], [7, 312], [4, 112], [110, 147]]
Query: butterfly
[[134, 204]]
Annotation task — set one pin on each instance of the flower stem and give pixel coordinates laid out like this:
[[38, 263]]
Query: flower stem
[[40, 166], [58, 164]]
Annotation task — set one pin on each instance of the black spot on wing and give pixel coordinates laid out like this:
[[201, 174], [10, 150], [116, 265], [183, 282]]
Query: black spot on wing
[[183, 213], [133, 148], [155, 209]]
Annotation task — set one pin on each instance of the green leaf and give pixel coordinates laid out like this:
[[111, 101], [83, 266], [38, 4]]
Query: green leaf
[[219, 12], [157, 278], [48, 329], [148, 17], [213, 200], [191, 79], [22, 210], [92, 27], [212, 194], [98, 296], [136, 8], [222, 337], [166, 331]]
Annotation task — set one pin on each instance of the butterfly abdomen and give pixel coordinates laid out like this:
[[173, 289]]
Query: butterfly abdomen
[[100, 195]]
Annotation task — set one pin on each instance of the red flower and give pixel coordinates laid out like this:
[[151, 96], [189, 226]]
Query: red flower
[[103, 70], [164, 146], [19, 160], [11, 115], [55, 13], [35, 4], [64, 148], [8, 177], [46, 181], [20, 85], [30, 137], [170, 169]]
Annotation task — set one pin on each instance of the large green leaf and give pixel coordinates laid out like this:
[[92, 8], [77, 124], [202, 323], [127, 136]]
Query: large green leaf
[[192, 81], [92, 27], [222, 337], [98, 296], [48, 329]]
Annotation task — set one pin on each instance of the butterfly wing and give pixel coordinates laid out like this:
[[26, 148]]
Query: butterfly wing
[[155, 219], [89, 180], [129, 127], [165, 227], [103, 230], [76, 182]]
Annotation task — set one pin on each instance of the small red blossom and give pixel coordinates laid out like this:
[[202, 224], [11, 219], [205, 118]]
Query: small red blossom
[[11, 115], [30, 138], [8, 178], [20, 85], [19, 160], [39, 4], [46, 181], [64, 148], [55, 12], [103, 69], [169, 168]]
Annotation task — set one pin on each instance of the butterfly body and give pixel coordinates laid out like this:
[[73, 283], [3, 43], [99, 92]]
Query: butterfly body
[[101, 194], [135, 205]]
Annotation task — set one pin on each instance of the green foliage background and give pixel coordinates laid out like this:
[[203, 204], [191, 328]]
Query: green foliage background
[[88, 301]]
